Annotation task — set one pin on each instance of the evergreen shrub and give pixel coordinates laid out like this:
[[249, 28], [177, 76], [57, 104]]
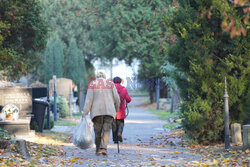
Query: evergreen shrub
[[62, 106], [203, 56], [51, 122], [4, 135]]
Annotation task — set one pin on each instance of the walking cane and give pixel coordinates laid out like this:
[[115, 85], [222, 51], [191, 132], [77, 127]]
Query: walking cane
[[118, 147]]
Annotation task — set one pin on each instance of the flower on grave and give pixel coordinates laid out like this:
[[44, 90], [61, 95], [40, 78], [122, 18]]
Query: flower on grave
[[10, 109]]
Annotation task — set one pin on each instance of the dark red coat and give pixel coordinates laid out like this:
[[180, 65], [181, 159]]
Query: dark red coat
[[124, 97]]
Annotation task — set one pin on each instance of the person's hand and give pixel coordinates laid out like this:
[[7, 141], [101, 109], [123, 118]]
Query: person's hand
[[83, 115]]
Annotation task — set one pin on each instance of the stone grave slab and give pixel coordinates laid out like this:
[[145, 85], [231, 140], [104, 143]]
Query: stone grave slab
[[21, 97], [246, 137], [18, 127], [236, 133], [63, 88]]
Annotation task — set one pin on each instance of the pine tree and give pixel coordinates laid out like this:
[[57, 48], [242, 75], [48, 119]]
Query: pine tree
[[68, 20], [53, 60], [74, 66]]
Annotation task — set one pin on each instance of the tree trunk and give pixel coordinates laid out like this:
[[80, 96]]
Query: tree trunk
[[22, 149], [81, 98], [172, 103], [152, 96], [20, 145], [111, 69]]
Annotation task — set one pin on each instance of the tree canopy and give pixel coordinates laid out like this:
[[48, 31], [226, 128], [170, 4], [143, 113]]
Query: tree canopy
[[53, 60], [74, 66], [204, 54], [68, 21], [128, 29], [22, 34]]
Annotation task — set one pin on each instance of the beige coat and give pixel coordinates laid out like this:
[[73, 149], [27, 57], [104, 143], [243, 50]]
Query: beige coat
[[102, 99]]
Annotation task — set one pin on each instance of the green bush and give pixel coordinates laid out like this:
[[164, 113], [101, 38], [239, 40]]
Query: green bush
[[51, 122], [33, 125], [203, 55], [201, 123], [4, 135], [62, 106]]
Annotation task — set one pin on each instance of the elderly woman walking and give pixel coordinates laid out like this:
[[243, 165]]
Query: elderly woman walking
[[102, 101], [118, 123]]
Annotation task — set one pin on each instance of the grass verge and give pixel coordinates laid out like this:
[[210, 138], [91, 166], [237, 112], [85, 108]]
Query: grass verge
[[167, 116], [56, 136], [145, 100], [69, 121], [65, 123]]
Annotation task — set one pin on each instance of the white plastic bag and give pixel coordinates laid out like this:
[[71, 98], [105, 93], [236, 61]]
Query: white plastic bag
[[82, 135]]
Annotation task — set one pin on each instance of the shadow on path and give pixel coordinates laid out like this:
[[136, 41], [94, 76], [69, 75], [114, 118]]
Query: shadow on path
[[145, 144]]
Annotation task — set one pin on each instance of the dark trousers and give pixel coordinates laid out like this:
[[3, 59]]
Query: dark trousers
[[102, 127], [117, 128]]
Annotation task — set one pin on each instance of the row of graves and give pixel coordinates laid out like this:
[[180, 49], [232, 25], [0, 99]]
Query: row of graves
[[20, 107]]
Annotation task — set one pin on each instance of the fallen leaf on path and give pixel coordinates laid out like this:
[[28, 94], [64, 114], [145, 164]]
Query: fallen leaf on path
[[73, 160], [215, 162], [151, 159]]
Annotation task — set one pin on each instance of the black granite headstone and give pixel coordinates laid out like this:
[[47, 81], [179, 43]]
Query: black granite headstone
[[21, 97]]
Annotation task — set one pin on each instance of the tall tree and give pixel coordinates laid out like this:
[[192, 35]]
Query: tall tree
[[67, 19], [53, 60], [74, 66], [130, 29], [22, 34], [203, 55]]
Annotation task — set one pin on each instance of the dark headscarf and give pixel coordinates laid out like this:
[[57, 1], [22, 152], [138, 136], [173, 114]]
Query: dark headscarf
[[117, 80]]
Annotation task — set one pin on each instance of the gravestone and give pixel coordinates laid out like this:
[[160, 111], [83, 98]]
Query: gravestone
[[38, 84], [17, 128], [236, 133], [4, 84], [63, 88], [21, 97], [246, 137], [23, 81]]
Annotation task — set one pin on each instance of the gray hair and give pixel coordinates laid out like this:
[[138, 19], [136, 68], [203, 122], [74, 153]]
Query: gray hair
[[101, 74]]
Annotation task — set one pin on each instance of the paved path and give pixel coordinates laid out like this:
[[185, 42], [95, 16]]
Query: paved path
[[146, 143]]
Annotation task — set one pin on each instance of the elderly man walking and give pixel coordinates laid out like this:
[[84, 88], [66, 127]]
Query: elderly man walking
[[102, 101]]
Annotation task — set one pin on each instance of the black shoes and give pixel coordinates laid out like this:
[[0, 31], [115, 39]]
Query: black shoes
[[104, 152], [119, 137], [101, 151], [98, 152]]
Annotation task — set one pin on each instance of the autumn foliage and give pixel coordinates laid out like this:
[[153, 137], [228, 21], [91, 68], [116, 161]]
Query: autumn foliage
[[22, 34]]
